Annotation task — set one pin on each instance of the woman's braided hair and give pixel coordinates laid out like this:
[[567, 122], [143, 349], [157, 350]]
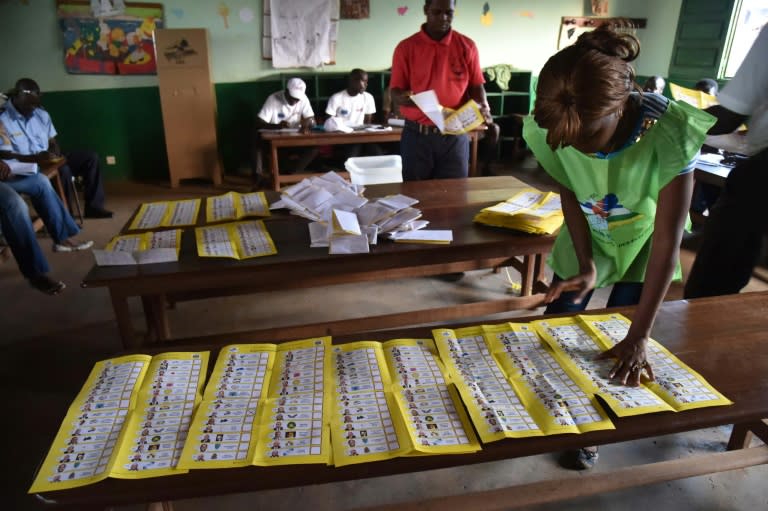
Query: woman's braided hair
[[586, 81]]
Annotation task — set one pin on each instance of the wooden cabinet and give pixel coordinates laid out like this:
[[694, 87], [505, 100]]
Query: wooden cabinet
[[188, 104]]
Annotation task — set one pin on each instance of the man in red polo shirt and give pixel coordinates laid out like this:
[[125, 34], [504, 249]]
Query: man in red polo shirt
[[447, 62]]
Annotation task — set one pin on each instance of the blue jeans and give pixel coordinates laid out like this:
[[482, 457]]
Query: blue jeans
[[622, 294], [433, 156], [17, 225]]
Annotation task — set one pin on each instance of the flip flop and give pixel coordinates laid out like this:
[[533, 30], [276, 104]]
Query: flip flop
[[47, 285]]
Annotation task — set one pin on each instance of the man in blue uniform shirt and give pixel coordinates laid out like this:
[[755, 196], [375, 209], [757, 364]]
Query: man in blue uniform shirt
[[33, 139]]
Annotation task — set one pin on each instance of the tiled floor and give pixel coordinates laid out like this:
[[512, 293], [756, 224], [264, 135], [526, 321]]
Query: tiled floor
[[48, 344]]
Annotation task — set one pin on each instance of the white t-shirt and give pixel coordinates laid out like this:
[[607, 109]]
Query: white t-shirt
[[747, 93], [276, 110], [352, 109]]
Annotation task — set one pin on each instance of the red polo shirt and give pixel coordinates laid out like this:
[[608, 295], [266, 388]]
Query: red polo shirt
[[448, 66]]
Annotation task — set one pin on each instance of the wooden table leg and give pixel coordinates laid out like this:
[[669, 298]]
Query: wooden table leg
[[158, 327], [742, 434], [474, 138], [526, 275], [274, 166], [123, 319]]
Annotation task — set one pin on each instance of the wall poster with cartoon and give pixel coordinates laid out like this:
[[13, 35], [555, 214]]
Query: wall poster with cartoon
[[115, 45]]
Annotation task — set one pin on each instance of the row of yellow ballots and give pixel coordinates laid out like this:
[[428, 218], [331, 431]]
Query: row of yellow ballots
[[530, 210], [238, 240], [311, 401]]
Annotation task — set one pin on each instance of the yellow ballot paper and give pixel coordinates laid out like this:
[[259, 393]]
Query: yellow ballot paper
[[85, 446], [434, 415], [145, 248], [366, 424], [678, 385], [578, 349], [530, 211], [693, 97], [234, 206], [345, 222], [292, 426], [166, 214], [493, 403], [157, 427], [222, 432], [449, 121], [557, 402], [463, 120], [238, 240]]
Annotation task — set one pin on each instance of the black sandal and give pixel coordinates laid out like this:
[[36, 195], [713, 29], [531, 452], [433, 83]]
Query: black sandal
[[47, 285]]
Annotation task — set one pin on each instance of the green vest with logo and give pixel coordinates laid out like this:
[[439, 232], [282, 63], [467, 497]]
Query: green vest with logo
[[619, 195]]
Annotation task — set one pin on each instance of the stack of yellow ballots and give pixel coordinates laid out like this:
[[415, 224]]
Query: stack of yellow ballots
[[531, 211]]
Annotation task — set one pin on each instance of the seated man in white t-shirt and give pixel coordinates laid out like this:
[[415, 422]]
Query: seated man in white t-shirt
[[354, 107], [289, 108]]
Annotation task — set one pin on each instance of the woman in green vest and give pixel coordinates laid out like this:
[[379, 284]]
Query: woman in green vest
[[624, 163]]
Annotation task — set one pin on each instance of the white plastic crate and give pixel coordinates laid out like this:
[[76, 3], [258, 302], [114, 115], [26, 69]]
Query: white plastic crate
[[371, 170]]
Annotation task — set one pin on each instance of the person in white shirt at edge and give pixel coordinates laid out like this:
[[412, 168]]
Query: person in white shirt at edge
[[354, 107], [733, 234], [289, 108]]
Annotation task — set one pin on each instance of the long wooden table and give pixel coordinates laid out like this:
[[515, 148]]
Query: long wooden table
[[723, 338], [447, 204], [278, 139]]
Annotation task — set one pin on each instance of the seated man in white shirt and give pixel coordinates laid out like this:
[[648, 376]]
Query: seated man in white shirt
[[289, 108], [354, 107]]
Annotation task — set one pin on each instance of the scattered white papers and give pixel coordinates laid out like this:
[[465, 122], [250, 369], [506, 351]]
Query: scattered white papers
[[440, 237], [349, 244], [429, 104], [345, 222], [145, 248], [279, 130], [120, 258]]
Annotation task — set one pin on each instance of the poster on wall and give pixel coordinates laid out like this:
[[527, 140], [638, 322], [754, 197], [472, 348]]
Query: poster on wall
[[355, 9], [112, 45], [571, 27], [329, 54]]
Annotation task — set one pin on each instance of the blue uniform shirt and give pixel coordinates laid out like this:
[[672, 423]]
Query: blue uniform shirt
[[27, 136]]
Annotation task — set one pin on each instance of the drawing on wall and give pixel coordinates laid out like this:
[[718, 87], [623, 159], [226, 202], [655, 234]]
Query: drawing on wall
[[178, 51], [246, 15], [487, 17], [114, 45], [355, 9], [571, 27], [599, 7], [402, 10], [223, 11], [107, 7]]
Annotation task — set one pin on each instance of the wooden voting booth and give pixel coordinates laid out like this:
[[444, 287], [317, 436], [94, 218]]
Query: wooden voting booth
[[188, 104]]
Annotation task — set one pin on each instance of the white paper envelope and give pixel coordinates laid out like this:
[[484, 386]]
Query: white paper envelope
[[429, 104], [318, 234], [345, 222], [426, 236], [349, 244]]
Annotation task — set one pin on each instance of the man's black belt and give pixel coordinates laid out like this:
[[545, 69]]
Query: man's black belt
[[421, 128]]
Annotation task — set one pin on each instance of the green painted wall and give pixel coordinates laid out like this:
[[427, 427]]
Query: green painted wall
[[121, 116]]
